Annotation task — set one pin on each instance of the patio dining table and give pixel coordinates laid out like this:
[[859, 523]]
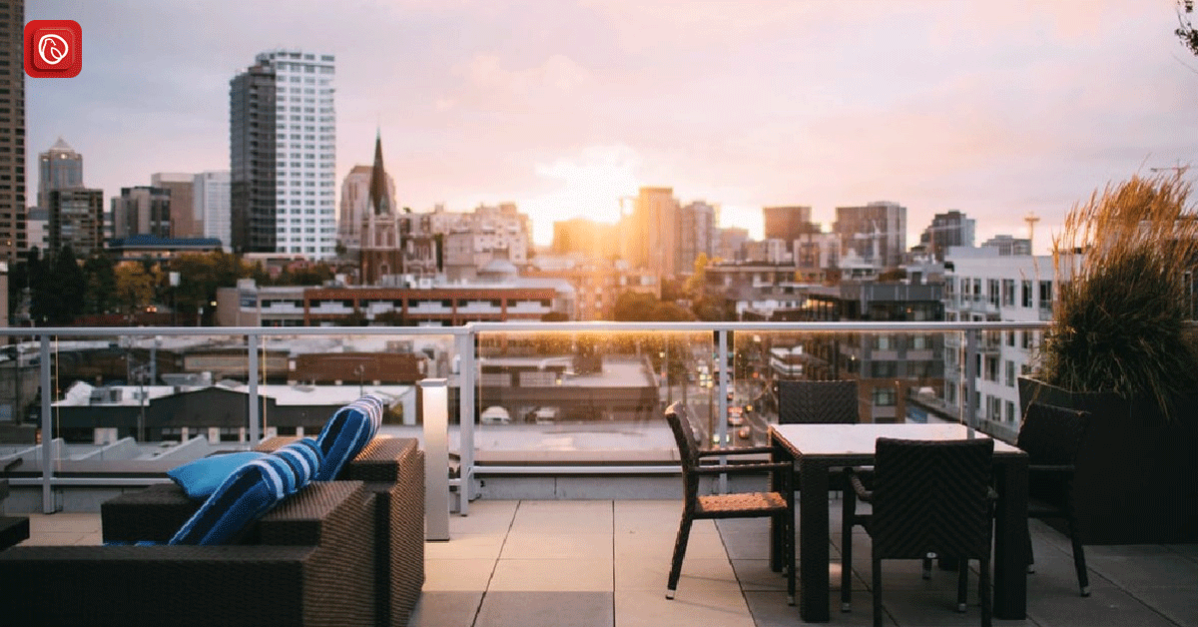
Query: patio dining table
[[816, 448]]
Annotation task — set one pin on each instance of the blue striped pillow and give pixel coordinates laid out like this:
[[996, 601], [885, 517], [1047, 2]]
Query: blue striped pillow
[[305, 459], [347, 433], [245, 496], [201, 477]]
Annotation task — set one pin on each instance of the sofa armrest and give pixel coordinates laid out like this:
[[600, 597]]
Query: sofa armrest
[[291, 581]]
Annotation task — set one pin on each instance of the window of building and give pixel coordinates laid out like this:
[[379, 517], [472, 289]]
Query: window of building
[[884, 397], [1008, 292], [1010, 411], [992, 291], [1010, 374], [1027, 294], [991, 372], [1046, 295]]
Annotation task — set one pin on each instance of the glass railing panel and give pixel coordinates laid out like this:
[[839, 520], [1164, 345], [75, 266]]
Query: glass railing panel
[[587, 396]]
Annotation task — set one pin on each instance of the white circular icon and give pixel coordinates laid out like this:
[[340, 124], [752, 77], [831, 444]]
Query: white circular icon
[[52, 48]]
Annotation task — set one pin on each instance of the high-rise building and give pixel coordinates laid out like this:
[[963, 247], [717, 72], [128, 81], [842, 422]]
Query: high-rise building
[[141, 210], [60, 167], [76, 219], [695, 235], [283, 135], [650, 239], [875, 234], [12, 134], [597, 240], [211, 198], [787, 223], [947, 229], [185, 222]]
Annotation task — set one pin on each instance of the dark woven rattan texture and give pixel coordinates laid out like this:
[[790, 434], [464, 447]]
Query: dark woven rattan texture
[[1051, 437], [928, 497], [777, 505], [815, 402], [329, 583]]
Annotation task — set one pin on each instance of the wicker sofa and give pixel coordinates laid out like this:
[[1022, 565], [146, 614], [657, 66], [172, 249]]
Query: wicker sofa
[[306, 562], [392, 470]]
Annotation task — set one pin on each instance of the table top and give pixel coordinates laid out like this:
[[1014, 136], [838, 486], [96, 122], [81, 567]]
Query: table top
[[841, 440]]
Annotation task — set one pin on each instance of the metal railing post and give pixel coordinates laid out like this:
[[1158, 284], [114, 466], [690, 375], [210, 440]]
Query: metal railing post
[[47, 427], [972, 340], [253, 340], [435, 415], [467, 381], [722, 403]]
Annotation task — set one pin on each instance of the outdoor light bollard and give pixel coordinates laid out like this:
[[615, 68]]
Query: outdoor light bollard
[[435, 415]]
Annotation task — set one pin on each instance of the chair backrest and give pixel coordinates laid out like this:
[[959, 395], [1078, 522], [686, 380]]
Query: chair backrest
[[688, 450], [807, 402], [931, 496], [1052, 435], [684, 435]]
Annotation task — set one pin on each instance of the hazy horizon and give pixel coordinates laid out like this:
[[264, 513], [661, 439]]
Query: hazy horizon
[[993, 109]]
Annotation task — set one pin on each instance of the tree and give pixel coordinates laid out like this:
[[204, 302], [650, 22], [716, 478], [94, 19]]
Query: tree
[[101, 292], [68, 286], [134, 287], [640, 307], [1185, 29]]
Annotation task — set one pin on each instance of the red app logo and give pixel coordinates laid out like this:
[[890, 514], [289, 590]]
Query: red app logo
[[53, 48]]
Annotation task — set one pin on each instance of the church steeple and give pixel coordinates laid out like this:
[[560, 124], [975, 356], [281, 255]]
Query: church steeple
[[380, 200]]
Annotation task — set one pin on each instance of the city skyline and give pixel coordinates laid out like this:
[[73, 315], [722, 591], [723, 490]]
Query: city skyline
[[994, 110]]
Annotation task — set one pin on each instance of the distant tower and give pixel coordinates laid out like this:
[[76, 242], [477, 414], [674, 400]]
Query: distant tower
[[380, 251], [1031, 219]]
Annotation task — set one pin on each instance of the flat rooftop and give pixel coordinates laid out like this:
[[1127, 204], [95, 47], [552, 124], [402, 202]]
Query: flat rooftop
[[603, 563]]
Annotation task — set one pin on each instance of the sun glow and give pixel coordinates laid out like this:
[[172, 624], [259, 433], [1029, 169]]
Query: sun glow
[[591, 185]]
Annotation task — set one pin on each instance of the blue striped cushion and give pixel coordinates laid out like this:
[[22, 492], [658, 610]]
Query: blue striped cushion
[[347, 433], [245, 496], [305, 459]]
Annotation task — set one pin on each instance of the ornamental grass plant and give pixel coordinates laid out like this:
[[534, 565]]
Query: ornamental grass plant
[[1124, 264]]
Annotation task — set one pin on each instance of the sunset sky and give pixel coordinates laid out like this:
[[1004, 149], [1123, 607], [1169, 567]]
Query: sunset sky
[[995, 108]]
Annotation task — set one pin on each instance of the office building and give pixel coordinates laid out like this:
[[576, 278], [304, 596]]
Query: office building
[[1009, 245], [787, 223], [650, 232], [60, 167], [283, 135], [141, 210], [76, 219], [947, 229], [185, 223], [12, 134], [211, 198], [874, 234], [695, 235]]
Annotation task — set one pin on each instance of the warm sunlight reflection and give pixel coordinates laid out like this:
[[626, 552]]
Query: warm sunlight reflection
[[587, 185]]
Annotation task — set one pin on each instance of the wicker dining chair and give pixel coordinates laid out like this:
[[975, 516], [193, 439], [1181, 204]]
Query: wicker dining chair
[[1051, 437], [778, 505], [808, 402], [927, 497]]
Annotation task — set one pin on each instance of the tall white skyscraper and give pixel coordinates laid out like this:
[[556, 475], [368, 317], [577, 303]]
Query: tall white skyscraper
[[211, 198], [302, 145]]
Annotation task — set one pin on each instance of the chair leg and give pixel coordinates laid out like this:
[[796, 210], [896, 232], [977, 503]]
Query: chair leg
[[790, 550], [962, 585], [684, 532], [1079, 557], [849, 508], [984, 589], [877, 579], [1027, 545]]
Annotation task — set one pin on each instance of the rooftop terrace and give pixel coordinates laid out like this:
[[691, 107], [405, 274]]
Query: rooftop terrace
[[528, 563]]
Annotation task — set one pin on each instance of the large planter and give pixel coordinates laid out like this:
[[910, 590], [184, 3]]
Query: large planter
[[1137, 475]]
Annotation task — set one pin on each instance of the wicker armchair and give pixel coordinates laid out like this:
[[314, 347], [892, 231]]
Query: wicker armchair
[[928, 497], [391, 468], [307, 563], [1051, 437], [777, 505]]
